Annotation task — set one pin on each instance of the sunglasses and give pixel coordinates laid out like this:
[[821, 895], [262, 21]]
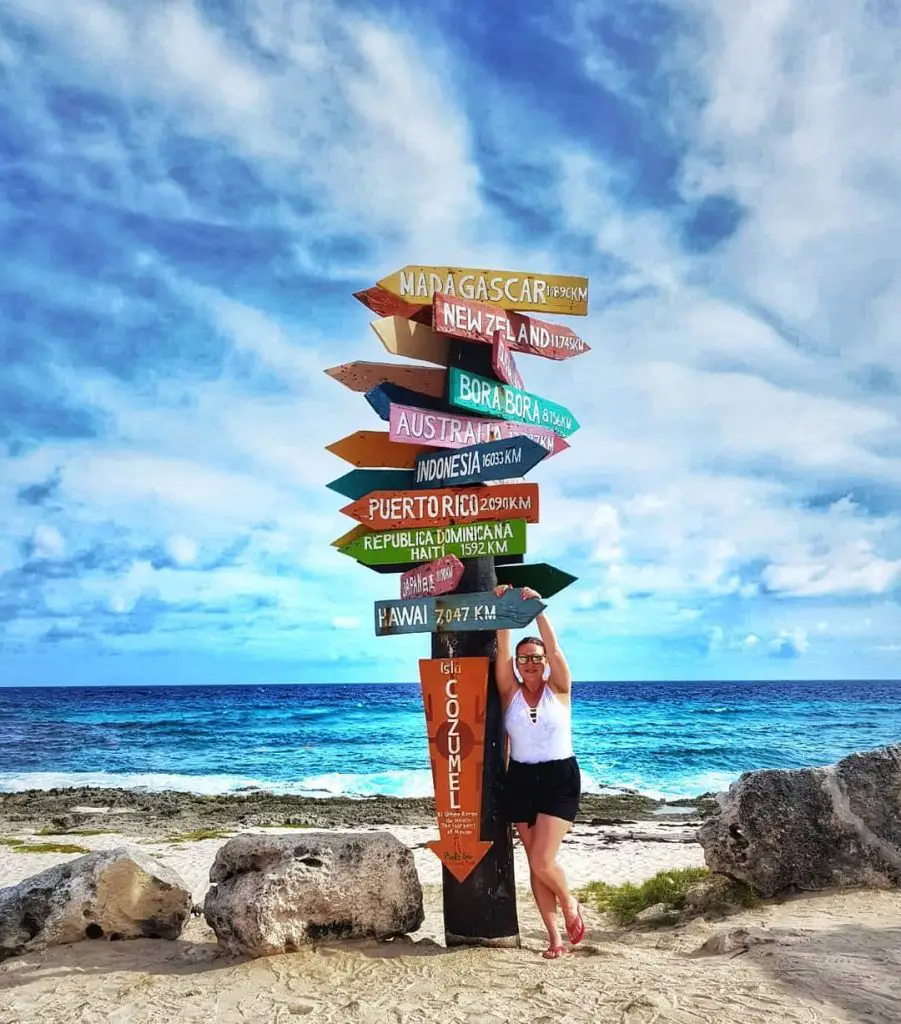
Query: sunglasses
[[524, 659]]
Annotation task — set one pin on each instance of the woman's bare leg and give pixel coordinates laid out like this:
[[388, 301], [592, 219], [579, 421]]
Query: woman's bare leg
[[544, 895], [547, 834]]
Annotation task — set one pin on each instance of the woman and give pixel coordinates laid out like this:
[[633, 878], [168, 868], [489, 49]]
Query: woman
[[543, 780]]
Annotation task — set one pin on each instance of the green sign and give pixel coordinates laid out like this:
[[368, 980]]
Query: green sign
[[488, 397], [468, 540]]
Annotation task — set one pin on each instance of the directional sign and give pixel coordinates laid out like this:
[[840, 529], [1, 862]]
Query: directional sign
[[502, 362], [383, 303], [455, 699], [361, 376], [470, 391], [498, 460], [399, 568], [509, 289], [409, 425], [374, 448], [456, 613], [384, 395], [393, 510], [477, 321], [433, 578], [402, 337], [359, 482], [398, 547], [545, 579]]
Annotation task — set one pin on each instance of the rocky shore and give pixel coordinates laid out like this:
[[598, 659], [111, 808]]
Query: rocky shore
[[160, 814]]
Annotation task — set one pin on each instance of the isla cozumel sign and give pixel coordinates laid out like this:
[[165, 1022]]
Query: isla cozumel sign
[[509, 289], [479, 394]]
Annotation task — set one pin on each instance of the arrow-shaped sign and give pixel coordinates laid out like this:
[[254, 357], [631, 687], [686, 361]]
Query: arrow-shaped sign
[[502, 362], [392, 510], [432, 579], [374, 448], [470, 391], [403, 337], [454, 698], [498, 460], [359, 482], [383, 303], [362, 376], [456, 613], [398, 568], [384, 395], [424, 544], [509, 289], [541, 577], [477, 321], [409, 425]]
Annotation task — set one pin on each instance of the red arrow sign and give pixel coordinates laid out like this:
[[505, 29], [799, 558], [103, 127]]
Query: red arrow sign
[[433, 578], [477, 321], [502, 362], [454, 697]]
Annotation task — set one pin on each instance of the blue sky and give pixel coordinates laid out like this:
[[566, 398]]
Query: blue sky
[[191, 191]]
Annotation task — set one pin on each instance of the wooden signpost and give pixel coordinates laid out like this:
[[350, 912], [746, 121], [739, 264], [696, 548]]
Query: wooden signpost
[[509, 289], [363, 376], [374, 448], [394, 547], [432, 579], [410, 425], [392, 510], [497, 460], [455, 700], [456, 613], [477, 321], [438, 499], [470, 391]]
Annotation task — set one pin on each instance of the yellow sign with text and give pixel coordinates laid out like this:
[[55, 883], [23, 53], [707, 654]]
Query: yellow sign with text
[[508, 289]]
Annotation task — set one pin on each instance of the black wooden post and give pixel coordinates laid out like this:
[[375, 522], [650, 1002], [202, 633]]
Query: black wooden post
[[481, 910]]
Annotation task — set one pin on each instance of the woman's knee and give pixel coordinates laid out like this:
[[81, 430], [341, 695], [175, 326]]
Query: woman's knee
[[542, 864]]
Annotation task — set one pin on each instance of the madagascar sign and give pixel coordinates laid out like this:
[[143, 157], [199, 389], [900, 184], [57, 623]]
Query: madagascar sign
[[409, 425], [391, 510], [476, 321], [475, 540], [470, 391], [454, 697], [510, 289]]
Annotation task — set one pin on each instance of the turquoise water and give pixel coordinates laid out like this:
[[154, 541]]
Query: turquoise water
[[662, 739]]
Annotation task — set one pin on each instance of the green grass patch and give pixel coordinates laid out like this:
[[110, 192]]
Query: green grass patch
[[50, 848], [296, 824], [11, 842], [198, 834], [625, 901]]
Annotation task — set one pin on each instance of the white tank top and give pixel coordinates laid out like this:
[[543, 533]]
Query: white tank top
[[548, 738]]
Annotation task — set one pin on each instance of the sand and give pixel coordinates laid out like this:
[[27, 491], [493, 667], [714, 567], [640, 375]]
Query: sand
[[829, 957]]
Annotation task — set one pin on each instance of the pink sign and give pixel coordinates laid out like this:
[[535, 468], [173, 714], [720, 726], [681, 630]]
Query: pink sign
[[438, 577], [477, 321], [502, 362], [410, 425]]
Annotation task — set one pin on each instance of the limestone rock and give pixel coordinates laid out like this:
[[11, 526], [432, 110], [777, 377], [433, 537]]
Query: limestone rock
[[659, 913], [113, 894], [811, 828], [275, 893]]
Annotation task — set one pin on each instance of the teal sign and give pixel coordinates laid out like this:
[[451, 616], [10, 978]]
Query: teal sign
[[488, 397]]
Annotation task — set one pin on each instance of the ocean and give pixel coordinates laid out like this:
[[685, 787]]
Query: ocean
[[665, 740]]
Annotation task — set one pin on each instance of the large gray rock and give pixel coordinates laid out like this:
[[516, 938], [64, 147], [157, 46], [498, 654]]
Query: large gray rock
[[113, 894], [274, 893], [811, 828]]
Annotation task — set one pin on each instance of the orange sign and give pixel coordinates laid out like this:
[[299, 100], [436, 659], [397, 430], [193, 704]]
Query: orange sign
[[392, 510], [361, 376], [375, 449], [455, 695]]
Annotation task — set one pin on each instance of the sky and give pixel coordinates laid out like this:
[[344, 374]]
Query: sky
[[192, 191]]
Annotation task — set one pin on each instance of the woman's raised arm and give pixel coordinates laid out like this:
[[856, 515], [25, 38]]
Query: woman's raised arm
[[503, 665]]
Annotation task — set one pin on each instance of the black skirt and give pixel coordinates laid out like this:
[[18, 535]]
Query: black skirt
[[548, 787]]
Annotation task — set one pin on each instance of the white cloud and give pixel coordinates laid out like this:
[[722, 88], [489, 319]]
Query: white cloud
[[182, 550], [47, 542]]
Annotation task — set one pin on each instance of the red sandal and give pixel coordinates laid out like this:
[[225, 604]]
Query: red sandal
[[575, 929]]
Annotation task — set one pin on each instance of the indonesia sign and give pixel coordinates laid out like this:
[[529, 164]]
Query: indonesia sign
[[497, 460]]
